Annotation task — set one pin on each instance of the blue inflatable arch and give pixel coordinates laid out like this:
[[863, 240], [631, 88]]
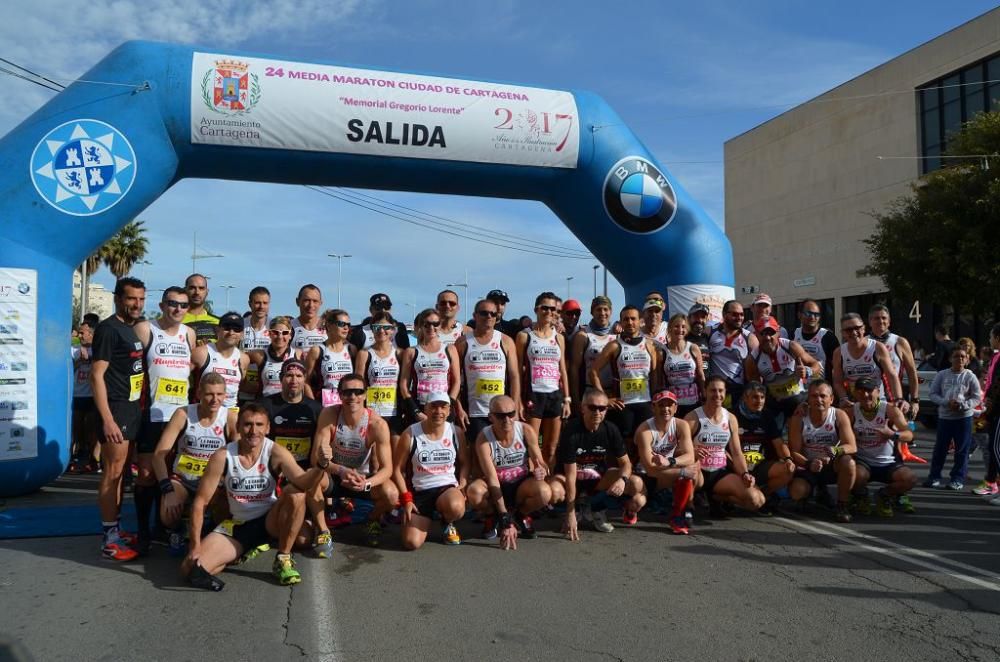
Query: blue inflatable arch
[[96, 155]]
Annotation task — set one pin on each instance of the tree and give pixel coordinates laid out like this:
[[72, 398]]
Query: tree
[[940, 242], [127, 247]]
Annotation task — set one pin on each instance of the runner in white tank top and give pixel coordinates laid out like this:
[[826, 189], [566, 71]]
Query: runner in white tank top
[[197, 443], [270, 369], [379, 365], [666, 455], [682, 365], [428, 367], [485, 372], [586, 346], [329, 361], [859, 357], [822, 443], [543, 358], [168, 370], [229, 366], [350, 444], [447, 308], [881, 432], [901, 358], [716, 435]]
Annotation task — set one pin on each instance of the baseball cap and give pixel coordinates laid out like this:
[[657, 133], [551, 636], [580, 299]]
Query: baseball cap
[[292, 363], [498, 295], [600, 301], [380, 301], [766, 322], [664, 395], [866, 384], [440, 396], [571, 305], [762, 298], [699, 308], [231, 320], [653, 303]]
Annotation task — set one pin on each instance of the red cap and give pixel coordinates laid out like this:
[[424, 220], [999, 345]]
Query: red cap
[[571, 304], [766, 322], [660, 395], [762, 298]]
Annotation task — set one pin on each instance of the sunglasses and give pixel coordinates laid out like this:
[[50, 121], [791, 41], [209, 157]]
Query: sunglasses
[[340, 324], [547, 309], [382, 327], [505, 414], [352, 392], [450, 304], [280, 333], [183, 305], [232, 328], [433, 324], [486, 313], [809, 313], [597, 408]]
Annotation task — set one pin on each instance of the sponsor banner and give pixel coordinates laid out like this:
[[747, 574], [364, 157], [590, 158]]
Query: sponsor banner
[[680, 298], [255, 102], [18, 367]]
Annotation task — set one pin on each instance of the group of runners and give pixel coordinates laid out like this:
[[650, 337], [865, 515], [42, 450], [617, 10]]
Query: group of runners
[[255, 430]]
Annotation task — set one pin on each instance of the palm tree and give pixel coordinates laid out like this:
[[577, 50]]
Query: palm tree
[[126, 248]]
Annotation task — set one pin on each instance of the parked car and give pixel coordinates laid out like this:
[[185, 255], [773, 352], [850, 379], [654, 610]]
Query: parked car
[[925, 376]]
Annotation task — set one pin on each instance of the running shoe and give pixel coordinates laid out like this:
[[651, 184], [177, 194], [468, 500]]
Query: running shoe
[[526, 527], [956, 486], [679, 525], [323, 545], [451, 536], [177, 546], [490, 528], [884, 506], [629, 517], [995, 501], [117, 549], [932, 483], [601, 522], [284, 570], [843, 514], [860, 504], [584, 513], [130, 538], [986, 488], [904, 505], [251, 554], [373, 533]]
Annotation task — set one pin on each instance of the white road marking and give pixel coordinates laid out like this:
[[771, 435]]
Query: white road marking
[[906, 554], [323, 611]]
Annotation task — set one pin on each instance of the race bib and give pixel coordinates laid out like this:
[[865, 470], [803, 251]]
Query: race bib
[[135, 387], [331, 397], [191, 466], [226, 527], [784, 390], [299, 447], [542, 373], [171, 391], [753, 458], [489, 387], [687, 394], [633, 386], [381, 395]]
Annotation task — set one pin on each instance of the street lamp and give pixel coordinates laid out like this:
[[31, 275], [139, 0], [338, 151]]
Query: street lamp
[[195, 257], [143, 272], [568, 279], [596, 267], [466, 286], [340, 272], [227, 288]]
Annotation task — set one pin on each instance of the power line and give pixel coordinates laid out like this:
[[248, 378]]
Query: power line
[[36, 75], [562, 248], [425, 225], [30, 80]]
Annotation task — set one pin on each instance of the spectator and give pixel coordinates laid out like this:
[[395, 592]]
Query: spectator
[[941, 359], [975, 365], [956, 392], [919, 354]]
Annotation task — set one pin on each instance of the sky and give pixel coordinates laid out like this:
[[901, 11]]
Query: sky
[[685, 77]]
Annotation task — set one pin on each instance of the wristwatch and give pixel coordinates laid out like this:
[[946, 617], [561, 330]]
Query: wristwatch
[[672, 461]]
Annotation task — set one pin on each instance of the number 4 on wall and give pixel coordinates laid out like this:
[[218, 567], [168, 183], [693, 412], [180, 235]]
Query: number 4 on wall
[[915, 311]]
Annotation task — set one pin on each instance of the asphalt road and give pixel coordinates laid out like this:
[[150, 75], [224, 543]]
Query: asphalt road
[[914, 587]]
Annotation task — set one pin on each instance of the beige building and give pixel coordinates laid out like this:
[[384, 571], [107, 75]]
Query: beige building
[[800, 188], [99, 300]]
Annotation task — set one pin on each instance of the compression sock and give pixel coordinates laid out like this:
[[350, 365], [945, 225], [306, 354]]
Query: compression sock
[[145, 497], [683, 489]]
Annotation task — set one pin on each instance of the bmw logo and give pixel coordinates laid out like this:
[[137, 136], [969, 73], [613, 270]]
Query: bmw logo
[[83, 167], [638, 197]]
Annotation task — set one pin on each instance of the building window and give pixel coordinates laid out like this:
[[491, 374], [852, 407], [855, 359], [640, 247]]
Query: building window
[[947, 103]]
